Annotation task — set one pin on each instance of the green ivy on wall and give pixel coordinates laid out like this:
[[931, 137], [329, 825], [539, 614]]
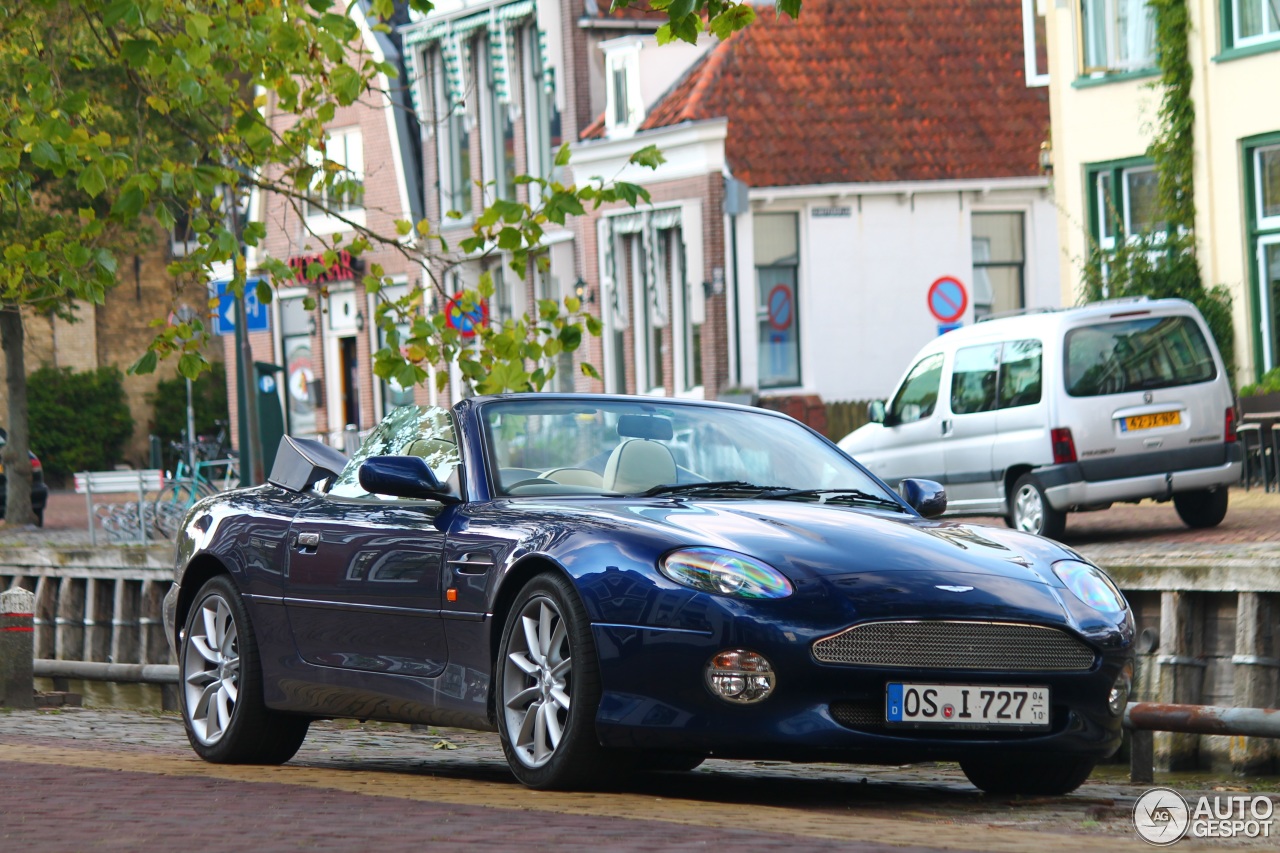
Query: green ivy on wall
[[1164, 263]]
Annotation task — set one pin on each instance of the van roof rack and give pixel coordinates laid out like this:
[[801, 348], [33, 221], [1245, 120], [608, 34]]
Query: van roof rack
[[1017, 312]]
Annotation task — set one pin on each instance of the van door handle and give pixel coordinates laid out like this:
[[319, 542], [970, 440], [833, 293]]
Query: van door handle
[[946, 426]]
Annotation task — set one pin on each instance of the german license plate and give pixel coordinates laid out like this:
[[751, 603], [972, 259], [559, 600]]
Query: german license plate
[[967, 705], [1159, 419]]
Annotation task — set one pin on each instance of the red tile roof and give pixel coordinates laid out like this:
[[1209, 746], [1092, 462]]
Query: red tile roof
[[869, 90]]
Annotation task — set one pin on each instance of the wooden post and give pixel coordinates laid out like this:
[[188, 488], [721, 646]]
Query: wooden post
[[17, 634], [1256, 671], [1181, 673], [1141, 758]]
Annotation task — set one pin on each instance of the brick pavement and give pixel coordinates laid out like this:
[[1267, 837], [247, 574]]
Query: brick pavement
[[114, 780]]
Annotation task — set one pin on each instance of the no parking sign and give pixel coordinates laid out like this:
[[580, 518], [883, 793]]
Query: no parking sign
[[948, 299]]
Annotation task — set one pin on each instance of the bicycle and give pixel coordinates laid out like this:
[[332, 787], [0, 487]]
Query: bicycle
[[169, 506]]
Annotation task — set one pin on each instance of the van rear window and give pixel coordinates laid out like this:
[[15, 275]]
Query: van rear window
[[1134, 355]]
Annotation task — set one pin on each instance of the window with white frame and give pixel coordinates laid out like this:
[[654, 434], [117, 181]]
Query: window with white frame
[[343, 158], [501, 136], [999, 263], [543, 123], [777, 255], [453, 132], [1035, 46], [1124, 200], [1254, 22], [624, 106], [1117, 36]]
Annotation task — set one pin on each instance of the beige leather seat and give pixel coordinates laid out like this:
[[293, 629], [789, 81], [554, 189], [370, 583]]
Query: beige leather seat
[[637, 464], [575, 477]]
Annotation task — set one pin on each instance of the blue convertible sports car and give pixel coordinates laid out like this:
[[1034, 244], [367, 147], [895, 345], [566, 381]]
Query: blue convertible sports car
[[618, 584]]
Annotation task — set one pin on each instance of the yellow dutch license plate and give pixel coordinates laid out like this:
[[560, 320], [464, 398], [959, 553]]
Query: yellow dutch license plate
[[1159, 419]]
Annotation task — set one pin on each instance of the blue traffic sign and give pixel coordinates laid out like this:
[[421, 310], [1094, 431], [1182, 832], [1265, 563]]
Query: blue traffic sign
[[259, 315], [948, 299]]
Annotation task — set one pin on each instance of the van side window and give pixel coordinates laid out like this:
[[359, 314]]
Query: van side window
[[918, 395], [973, 379], [1020, 374]]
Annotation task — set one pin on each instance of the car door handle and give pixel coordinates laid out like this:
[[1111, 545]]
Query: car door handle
[[308, 540], [471, 564], [946, 426]]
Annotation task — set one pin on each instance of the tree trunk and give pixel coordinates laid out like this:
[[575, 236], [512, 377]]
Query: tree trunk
[[15, 456]]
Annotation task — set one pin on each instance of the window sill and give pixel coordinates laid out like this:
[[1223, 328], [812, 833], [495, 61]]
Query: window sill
[[1248, 50], [321, 225], [1116, 77]]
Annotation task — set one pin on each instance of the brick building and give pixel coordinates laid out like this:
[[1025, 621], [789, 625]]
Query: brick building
[[821, 174], [328, 385], [116, 333]]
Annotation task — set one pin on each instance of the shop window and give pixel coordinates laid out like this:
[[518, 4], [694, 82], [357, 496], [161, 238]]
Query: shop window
[[777, 255]]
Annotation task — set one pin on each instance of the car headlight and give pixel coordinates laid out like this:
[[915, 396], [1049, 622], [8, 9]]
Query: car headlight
[[724, 573], [1091, 585]]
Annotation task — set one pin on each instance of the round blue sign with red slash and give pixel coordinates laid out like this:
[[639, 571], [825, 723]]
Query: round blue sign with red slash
[[779, 305], [947, 299], [465, 321]]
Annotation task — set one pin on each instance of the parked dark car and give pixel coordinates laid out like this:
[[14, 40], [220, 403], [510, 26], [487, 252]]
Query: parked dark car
[[618, 584], [39, 491]]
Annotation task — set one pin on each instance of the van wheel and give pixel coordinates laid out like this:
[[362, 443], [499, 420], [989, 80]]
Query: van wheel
[[1030, 511], [1203, 508]]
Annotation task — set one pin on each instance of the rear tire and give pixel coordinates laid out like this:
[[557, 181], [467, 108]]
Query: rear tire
[[221, 692], [1042, 775], [1031, 512], [1204, 508]]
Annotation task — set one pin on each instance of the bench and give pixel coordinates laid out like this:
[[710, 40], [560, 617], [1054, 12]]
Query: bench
[[141, 481]]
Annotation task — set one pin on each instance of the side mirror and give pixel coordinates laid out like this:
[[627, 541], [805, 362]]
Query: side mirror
[[402, 477], [924, 496], [875, 411]]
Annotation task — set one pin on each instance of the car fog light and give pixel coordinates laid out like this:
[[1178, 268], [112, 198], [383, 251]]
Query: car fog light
[[740, 676], [1120, 691]]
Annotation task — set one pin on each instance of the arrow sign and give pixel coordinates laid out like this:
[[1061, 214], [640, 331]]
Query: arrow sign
[[224, 321]]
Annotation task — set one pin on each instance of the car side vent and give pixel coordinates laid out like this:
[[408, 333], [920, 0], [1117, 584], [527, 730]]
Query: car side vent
[[982, 646]]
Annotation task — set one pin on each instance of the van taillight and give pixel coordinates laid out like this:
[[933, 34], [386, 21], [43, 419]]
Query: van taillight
[[1230, 430], [1064, 446]]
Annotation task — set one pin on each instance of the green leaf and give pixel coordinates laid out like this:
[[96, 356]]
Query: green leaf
[[509, 238], [191, 365], [791, 8], [347, 83], [562, 156], [146, 364], [129, 204], [732, 19], [92, 181], [589, 370], [135, 52], [649, 157], [44, 155]]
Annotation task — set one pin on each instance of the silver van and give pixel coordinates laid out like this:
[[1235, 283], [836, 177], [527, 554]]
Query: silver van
[[1037, 415]]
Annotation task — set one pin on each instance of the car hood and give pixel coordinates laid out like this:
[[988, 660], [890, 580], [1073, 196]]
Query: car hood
[[804, 538]]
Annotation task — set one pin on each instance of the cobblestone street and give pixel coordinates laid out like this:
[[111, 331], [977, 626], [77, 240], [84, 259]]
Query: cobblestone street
[[119, 780]]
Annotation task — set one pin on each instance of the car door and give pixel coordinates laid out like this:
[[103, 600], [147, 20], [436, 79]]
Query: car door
[[910, 445], [969, 429], [364, 583]]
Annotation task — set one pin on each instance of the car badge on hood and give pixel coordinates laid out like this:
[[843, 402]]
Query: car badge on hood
[[948, 588]]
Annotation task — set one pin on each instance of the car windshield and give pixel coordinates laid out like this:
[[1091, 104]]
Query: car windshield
[[548, 447]]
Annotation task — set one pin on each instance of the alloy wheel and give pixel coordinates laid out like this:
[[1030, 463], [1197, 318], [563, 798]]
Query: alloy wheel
[[1028, 509], [211, 670], [537, 682]]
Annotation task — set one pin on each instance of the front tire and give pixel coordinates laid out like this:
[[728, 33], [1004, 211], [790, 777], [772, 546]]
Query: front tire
[[1031, 512], [1203, 508], [223, 711], [549, 688], [1039, 775]]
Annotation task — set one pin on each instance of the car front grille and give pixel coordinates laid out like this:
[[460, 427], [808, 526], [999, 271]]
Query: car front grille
[[985, 646]]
